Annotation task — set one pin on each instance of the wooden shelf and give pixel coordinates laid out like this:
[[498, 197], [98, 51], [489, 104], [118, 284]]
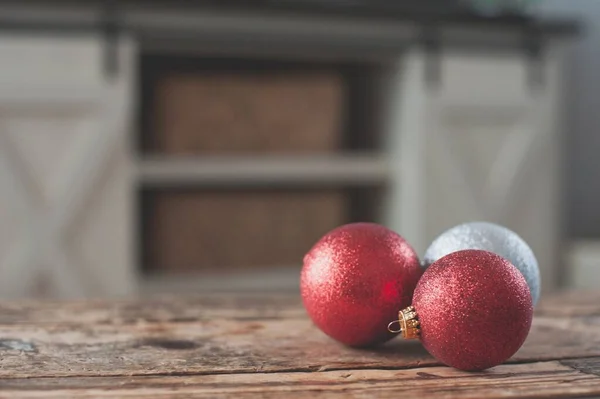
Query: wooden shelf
[[348, 169]]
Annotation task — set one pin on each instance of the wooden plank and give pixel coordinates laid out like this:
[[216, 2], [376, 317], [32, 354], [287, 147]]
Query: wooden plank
[[535, 380], [155, 310], [223, 334], [191, 308]]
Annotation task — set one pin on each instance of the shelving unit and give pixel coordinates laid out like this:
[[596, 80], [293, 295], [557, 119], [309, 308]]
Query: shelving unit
[[481, 67], [266, 142]]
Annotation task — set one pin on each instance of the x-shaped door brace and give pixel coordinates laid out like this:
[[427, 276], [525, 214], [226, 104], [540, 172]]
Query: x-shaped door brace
[[518, 151], [42, 240]]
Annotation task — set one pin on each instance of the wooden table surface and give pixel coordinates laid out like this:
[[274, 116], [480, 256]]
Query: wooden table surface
[[234, 346]]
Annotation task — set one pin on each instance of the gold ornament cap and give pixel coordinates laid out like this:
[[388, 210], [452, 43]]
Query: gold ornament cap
[[408, 322]]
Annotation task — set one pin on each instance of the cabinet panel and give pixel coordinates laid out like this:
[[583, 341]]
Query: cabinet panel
[[496, 163], [46, 61], [483, 145], [65, 170], [490, 77], [477, 155]]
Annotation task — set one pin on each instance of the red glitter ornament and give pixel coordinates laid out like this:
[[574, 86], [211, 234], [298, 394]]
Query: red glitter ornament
[[474, 309], [355, 278]]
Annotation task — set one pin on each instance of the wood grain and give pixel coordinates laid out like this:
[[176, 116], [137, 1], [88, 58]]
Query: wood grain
[[535, 380], [228, 306], [161, 310], [244, 346]]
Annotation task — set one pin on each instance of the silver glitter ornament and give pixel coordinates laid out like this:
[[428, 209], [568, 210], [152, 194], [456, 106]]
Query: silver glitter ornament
[[493, 238]]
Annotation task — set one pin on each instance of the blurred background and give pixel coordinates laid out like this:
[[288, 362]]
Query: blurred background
[[154, 147]]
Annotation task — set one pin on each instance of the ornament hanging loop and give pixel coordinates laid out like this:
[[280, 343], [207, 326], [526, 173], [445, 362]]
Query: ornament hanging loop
[[394, 330]]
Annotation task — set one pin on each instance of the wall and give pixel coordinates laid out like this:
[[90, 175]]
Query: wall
[[582, 141]]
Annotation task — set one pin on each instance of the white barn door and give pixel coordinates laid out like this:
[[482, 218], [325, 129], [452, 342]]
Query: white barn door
[[482, 146], [65, 169], [493, 153]]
